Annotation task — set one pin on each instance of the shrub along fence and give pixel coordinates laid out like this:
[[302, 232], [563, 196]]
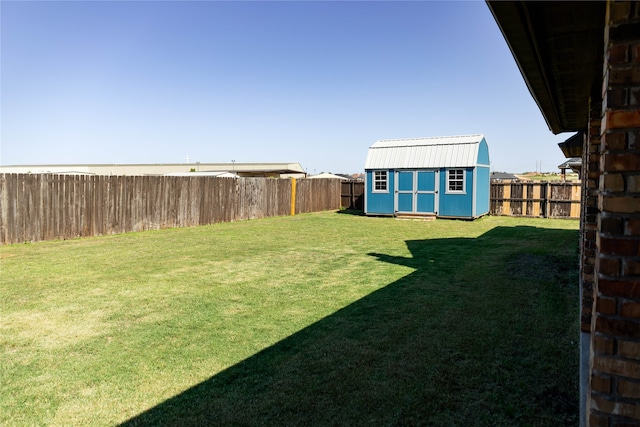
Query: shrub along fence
[[536, 199], [46, 207]]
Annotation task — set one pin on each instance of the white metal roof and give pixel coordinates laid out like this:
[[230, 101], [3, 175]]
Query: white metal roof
[[435, 152], [328, 175]]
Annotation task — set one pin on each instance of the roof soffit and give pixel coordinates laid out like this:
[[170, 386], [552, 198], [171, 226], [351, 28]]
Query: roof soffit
[[558, 47]]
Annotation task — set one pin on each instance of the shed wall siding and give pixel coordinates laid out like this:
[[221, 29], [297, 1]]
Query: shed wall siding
[[483, 153], [457, 205], [379, 203], [483, 190]]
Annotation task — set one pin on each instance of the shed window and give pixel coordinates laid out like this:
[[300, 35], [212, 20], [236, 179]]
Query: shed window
[[455, 181], [380, 181]]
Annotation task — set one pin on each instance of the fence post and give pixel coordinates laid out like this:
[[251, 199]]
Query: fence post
[[293, 196], [548, 209], [352, 201]]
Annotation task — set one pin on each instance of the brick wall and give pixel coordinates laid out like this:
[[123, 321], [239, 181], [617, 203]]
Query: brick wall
[[589, 215], [615, 324]]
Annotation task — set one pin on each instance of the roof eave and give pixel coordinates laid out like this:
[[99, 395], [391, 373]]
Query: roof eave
[[557, 47], [518, 33]]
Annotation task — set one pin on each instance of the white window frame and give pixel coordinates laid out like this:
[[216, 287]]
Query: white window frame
[[451, 179], [376, 179]]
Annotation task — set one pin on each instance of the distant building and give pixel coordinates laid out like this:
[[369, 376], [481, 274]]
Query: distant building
[[270, 170], [330, 176], [503, 176], [574, 163]]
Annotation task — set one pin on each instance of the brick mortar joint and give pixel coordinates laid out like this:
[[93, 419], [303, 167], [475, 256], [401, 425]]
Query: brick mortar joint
[[609, 235], [615, 398], [630, 380], [617, 317], [607, 256]]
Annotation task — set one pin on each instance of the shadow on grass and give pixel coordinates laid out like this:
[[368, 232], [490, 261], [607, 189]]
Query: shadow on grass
[[483, 332], [354, 212]]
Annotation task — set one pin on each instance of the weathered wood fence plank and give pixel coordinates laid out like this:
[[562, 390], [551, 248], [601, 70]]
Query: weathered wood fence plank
[[45, 207], [536, 199]]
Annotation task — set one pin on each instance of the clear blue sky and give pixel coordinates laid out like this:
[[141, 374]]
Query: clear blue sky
[[309, 82]]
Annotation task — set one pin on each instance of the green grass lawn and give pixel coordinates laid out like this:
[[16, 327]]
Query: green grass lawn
[[317, 319]]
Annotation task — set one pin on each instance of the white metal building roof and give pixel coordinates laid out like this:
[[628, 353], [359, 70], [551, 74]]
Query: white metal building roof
[[328, 175], [436, 152], [244, 169]]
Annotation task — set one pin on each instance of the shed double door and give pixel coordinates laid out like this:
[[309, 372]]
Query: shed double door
[[416, 192]]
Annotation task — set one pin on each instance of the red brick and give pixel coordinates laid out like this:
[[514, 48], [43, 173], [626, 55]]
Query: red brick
[[631, 267], [620, 204], [587, 304], [596, 420], [616, 98], [630, 349], [619, 11], [624, 33], [617, 327], [624, 422], [603, 345], [630, 309], [601, 383], [614, 140], [603, 405], [616, 366], [617, 246], [633, 139], [594, 147], [619, 288], [628, 389], [630, 410], [605, 83], [608, 266], [594, 126], [622, 76], [606, 305], [634, 96], [632, 227], [633, 183], [618, 55], [612, 182], [611, 225], [635, 51], [628, 161]]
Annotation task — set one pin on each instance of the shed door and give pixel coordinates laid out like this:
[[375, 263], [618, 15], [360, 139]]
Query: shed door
[[416, 191]]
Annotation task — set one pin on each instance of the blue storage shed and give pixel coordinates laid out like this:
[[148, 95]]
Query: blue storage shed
[[441, 176]]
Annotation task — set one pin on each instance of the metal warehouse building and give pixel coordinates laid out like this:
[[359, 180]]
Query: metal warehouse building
[[440, 176]]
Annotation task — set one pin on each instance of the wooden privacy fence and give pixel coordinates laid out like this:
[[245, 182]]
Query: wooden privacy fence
[[45, 207], [536, 199], [352, 195]]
